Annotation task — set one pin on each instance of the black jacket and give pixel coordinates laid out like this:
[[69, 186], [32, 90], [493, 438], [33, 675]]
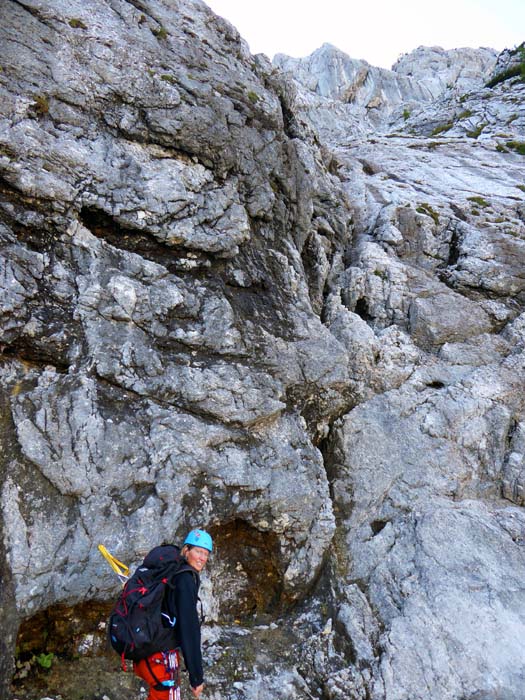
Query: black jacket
[[181, 605]]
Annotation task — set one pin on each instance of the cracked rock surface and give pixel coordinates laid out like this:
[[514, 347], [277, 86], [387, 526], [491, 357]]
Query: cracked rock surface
[[284, 303]]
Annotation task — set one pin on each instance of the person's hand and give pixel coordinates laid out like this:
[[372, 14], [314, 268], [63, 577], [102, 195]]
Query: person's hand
[[198, 690]]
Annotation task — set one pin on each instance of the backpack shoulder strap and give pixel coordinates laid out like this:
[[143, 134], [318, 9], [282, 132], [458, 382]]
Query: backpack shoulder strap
[[180, 570], [196, 577]]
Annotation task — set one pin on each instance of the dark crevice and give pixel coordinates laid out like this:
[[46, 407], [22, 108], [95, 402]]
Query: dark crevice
[[328, 290], [130, 240], [41, 239], [395, 178], [248, 557], [367, 168], [333, 463], [454, 248], [309, 257], [362, 310], [458, 211], [513, 426], [57, 629], [378, 525], [327, 449], [290, 125], [316, 406], [16, 195], [436, 384], [38, 357]]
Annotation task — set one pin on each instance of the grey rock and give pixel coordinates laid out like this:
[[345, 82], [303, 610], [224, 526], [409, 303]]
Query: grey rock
[[436, 644], [446, 317]]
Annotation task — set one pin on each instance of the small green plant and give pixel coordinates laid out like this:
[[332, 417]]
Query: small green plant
[[519, 50], [253, 97], [479, 201], [518, 146], [518, 70], [521, 187], [474, 133], [406, 114], [275, 187], [45, 660], [464, 115], [501, 148], [168, 78], [41, 105], [160, 33], [427, 210], [506, 75], [7, 152], [442, 128], [77, 23]]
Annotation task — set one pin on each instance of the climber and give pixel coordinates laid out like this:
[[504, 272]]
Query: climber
[[161, 670]]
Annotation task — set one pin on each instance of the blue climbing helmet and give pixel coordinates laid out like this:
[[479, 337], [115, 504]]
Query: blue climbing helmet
[[199, 538]]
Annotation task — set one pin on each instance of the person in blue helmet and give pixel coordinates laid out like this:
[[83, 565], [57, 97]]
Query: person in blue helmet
[[161, 670]]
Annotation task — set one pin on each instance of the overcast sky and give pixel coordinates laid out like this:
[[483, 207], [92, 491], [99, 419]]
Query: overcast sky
[[378, 31]]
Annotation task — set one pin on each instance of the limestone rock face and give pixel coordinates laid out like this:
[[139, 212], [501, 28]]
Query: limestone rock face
[[371, 93], [284, 303], [460, 69], [437, 195]]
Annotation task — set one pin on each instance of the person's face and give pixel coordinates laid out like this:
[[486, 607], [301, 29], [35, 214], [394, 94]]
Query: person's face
[[197, 557]]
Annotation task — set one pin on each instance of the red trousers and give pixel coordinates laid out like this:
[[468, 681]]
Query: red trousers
[[154, 670]]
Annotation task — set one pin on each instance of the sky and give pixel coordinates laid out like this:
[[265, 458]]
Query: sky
[[378, 31]]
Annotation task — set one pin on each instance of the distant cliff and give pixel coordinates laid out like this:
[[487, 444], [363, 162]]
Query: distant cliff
[[420, 76], [284, 303]]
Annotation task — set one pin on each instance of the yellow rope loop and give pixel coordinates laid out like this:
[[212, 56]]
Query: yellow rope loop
[[118, 567]]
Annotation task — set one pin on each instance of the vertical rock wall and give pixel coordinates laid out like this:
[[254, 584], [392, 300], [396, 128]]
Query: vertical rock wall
[[163, 365]]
